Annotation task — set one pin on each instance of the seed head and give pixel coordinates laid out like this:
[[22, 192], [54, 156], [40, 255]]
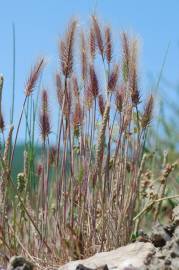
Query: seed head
[[66, 50], [52, 155], [21, 182], [93, 82], [34, 76], [147, 115], [135, 94], [77, 118], [83, 57], [75, 87], [2, 124], [113, 78], [119, 98], [98, 36], [126, 55], [92, 43], [44, 116], [101, 104], [108, 45], [88, 97]]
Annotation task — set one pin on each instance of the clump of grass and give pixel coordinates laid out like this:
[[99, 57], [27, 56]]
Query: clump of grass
[[86, 189]]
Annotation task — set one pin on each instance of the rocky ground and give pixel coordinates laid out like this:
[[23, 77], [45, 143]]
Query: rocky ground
[[158, 250], [166, 241]]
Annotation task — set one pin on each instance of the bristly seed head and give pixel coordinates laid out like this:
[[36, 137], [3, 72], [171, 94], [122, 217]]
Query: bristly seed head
[[44, 117], [98, 36], [34, 75], [113, 78], [108, 44], [52, 155], [83, 57], [75, 87], [127, 118], [135, 94], [44, 101], [2, 124], [92, 43], [126, 55], [93, 82], [101, 104], [66, 50], [44, 125], [88, 97], [147, 115], [77, 118], [119, 98], [21, 182]]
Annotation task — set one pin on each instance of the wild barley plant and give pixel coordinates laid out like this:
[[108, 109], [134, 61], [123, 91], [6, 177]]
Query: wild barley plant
[[86, 190]]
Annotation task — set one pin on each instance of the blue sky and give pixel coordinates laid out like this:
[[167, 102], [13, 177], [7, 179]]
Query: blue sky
[[39, 25]]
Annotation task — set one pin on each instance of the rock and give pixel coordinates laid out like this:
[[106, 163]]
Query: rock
[[82, 267], [132, 256], [159, 236], [175, 215], [19, 263]]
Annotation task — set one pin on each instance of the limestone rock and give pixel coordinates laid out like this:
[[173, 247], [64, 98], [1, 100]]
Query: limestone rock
[[159, 236], [19, 263], [132, 256], [175, 215]]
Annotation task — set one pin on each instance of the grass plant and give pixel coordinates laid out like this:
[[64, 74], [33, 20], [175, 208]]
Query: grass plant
[[88, 191]]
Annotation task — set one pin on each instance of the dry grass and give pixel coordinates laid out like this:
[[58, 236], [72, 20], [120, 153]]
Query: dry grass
[[87, 186]]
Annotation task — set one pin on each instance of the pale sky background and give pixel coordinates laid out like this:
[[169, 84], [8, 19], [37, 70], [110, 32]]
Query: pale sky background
[[39, 25]]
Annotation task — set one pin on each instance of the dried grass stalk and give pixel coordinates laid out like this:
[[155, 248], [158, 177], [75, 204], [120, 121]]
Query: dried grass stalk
[[101, 139]]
